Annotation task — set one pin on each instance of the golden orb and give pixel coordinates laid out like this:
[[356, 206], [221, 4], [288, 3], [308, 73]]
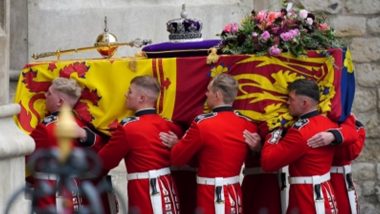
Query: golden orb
[[105, 42]]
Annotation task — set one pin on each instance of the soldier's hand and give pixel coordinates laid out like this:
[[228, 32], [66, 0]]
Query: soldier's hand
[[320, 139], [80, 132], [253, 140], [169, 139]]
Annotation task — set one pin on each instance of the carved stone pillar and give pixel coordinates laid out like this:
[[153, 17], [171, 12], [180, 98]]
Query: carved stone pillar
[[13, 143], [4, 51]]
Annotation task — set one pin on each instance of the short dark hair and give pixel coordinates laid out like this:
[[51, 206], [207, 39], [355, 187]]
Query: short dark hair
[[305, 87]]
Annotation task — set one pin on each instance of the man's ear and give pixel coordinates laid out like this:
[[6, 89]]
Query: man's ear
[[308, 102], [61, 101], [142, 98], [305, 102], [219, 94]]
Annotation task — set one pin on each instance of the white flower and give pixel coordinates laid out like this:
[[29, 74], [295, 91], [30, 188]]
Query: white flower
[[303, 13], [309, 21]]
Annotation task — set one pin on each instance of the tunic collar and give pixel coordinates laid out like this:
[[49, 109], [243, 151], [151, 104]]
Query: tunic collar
[[55, 113], [145, 111], [309, 114], [222, 108]]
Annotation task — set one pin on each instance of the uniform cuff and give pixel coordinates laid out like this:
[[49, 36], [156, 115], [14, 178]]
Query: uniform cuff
[[338, 137], [90, 138]]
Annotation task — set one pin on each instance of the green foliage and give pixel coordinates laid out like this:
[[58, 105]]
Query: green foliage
[[273, 32]]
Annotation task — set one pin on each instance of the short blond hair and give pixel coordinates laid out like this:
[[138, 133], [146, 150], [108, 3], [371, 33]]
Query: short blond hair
[[148, 83], [68, 87], [227, 85]]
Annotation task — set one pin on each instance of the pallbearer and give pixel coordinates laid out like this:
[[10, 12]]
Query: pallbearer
[[353, 133], [136, 140], [309, 168], [63, 91], [215, 140]]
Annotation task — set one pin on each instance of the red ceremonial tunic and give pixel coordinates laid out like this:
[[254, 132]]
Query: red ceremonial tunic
[[45, 138], [216, 141], [137, 141], [303, 160], [344, 154]]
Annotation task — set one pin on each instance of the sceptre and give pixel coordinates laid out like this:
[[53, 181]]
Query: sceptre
[[106, 44]]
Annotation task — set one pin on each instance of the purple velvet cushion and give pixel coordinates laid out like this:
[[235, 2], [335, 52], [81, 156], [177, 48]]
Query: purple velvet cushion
[[180, 49]]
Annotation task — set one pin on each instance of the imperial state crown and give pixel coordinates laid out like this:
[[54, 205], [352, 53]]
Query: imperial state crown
[[184, 29]]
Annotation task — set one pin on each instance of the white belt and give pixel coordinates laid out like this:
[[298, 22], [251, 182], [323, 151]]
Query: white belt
[[256, 171], [148, 174], [316, 179], [154, 188], [45, 176], [218, 181], [346, 170], [341, 169]]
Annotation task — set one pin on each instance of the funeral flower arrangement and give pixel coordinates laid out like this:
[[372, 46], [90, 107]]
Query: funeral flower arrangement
[[291, 30]]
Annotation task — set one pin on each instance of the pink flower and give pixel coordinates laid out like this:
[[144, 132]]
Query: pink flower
[[231, 28], [303, 14], [261, 15], [234, 28], [265, 36], [274, 50], [324, 27], [294, 32], [273, 32], [290, 35], [286, 36]]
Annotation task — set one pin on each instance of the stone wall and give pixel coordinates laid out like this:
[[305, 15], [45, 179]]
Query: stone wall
[[358, 21]]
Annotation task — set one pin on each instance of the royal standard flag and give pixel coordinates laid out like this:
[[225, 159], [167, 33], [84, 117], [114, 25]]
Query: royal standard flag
[[262, 96]]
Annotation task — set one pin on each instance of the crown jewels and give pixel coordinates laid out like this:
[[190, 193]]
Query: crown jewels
[[184, 28], [104, 42]]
